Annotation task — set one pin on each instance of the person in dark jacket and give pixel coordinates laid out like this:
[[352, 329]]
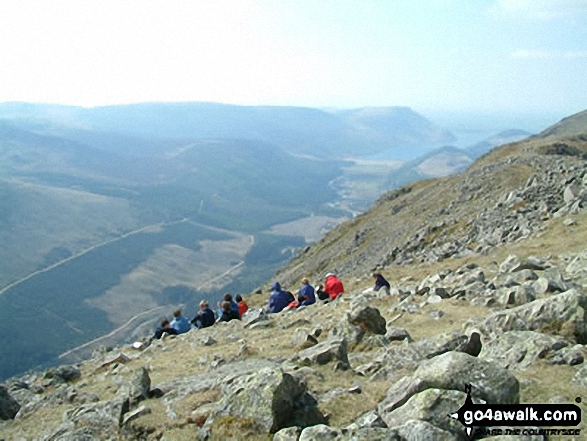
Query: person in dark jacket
[[228, 313], [165, 328], [306, 294], [380, 283], [233, 304], [279, 299], [205, 316]]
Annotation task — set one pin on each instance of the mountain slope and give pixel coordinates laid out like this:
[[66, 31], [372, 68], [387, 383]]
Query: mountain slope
[[495, 201], [487, 302]]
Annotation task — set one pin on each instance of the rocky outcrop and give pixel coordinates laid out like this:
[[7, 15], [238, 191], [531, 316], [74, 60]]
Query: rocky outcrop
[[563, 314], [271, 398], [9, 407]]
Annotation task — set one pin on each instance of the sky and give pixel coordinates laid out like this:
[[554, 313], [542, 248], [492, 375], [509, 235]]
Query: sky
[[500, 56]]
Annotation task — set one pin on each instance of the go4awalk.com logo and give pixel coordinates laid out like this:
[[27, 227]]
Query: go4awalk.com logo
[[518, 419]]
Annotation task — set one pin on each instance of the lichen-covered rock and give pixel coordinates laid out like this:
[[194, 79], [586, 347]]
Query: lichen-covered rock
[[8, 406], [288, 434], [323, 353], [344, 329], [271, 398], [417, 430], [520, 349], [432, 406], [562, 313], [369, 319], [452, 371], [102, 420]]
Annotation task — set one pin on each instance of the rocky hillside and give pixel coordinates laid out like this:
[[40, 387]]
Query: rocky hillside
[[489, 287]]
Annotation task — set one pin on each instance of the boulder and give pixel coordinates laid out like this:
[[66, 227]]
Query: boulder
[[369, 319], [344, 329], [288, 434], [395, 333], [520, 349], [9, 407], [562, 313], [271, 398], [325, 352], [320, 432], [102, 419], [452, 371], [303, 338], [417, 430], [369, 419], [431, 406]]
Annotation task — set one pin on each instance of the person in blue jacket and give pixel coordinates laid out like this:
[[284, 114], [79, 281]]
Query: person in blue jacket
[[180, 323], [306, 294], [279, 299]]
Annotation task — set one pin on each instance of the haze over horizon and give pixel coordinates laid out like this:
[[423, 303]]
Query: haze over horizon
[[502, 57]]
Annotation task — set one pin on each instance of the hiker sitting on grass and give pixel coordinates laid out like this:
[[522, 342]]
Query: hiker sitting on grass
[[228, 313], [279, 299], [242, 306], [333, 286], [380, 283], [165, 328], [306, 295], [180, 323], [205, 316]]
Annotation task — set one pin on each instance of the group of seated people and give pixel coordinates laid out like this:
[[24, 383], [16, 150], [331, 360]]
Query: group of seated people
[[279, 300], [229, 309]]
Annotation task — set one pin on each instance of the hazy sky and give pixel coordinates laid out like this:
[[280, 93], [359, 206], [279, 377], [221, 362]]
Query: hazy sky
[[499, 55]]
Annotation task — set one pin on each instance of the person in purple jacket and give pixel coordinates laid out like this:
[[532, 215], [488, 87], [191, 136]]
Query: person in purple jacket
[[380, 282], [279, 299], [306, 294]]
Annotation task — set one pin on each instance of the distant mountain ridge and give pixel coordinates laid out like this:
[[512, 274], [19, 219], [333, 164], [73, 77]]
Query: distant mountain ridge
[[296, 129]]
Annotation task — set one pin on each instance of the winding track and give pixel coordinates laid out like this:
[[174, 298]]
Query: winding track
[[151, 311]]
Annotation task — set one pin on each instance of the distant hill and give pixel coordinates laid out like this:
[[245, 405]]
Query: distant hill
[[295, 129], [440, 162], [505, 137]]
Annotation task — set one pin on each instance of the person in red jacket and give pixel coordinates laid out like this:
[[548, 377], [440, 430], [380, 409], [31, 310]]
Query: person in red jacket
[[242, 306], [333, 286]]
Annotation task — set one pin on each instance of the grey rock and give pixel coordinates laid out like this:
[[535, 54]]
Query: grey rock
[[417, 430], [563, 313], [517, 295], [325, 352], [369, 419], [63, 374], [133, 415], [320, 432], [344, 329], [288, 434], [369, 319], [395, 333], [270, 397], [520, 349], [452, 371], [520, 277], [303, 338], [581, 376], [102, 419], [9, 407], [432, 406], [140, 386]]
